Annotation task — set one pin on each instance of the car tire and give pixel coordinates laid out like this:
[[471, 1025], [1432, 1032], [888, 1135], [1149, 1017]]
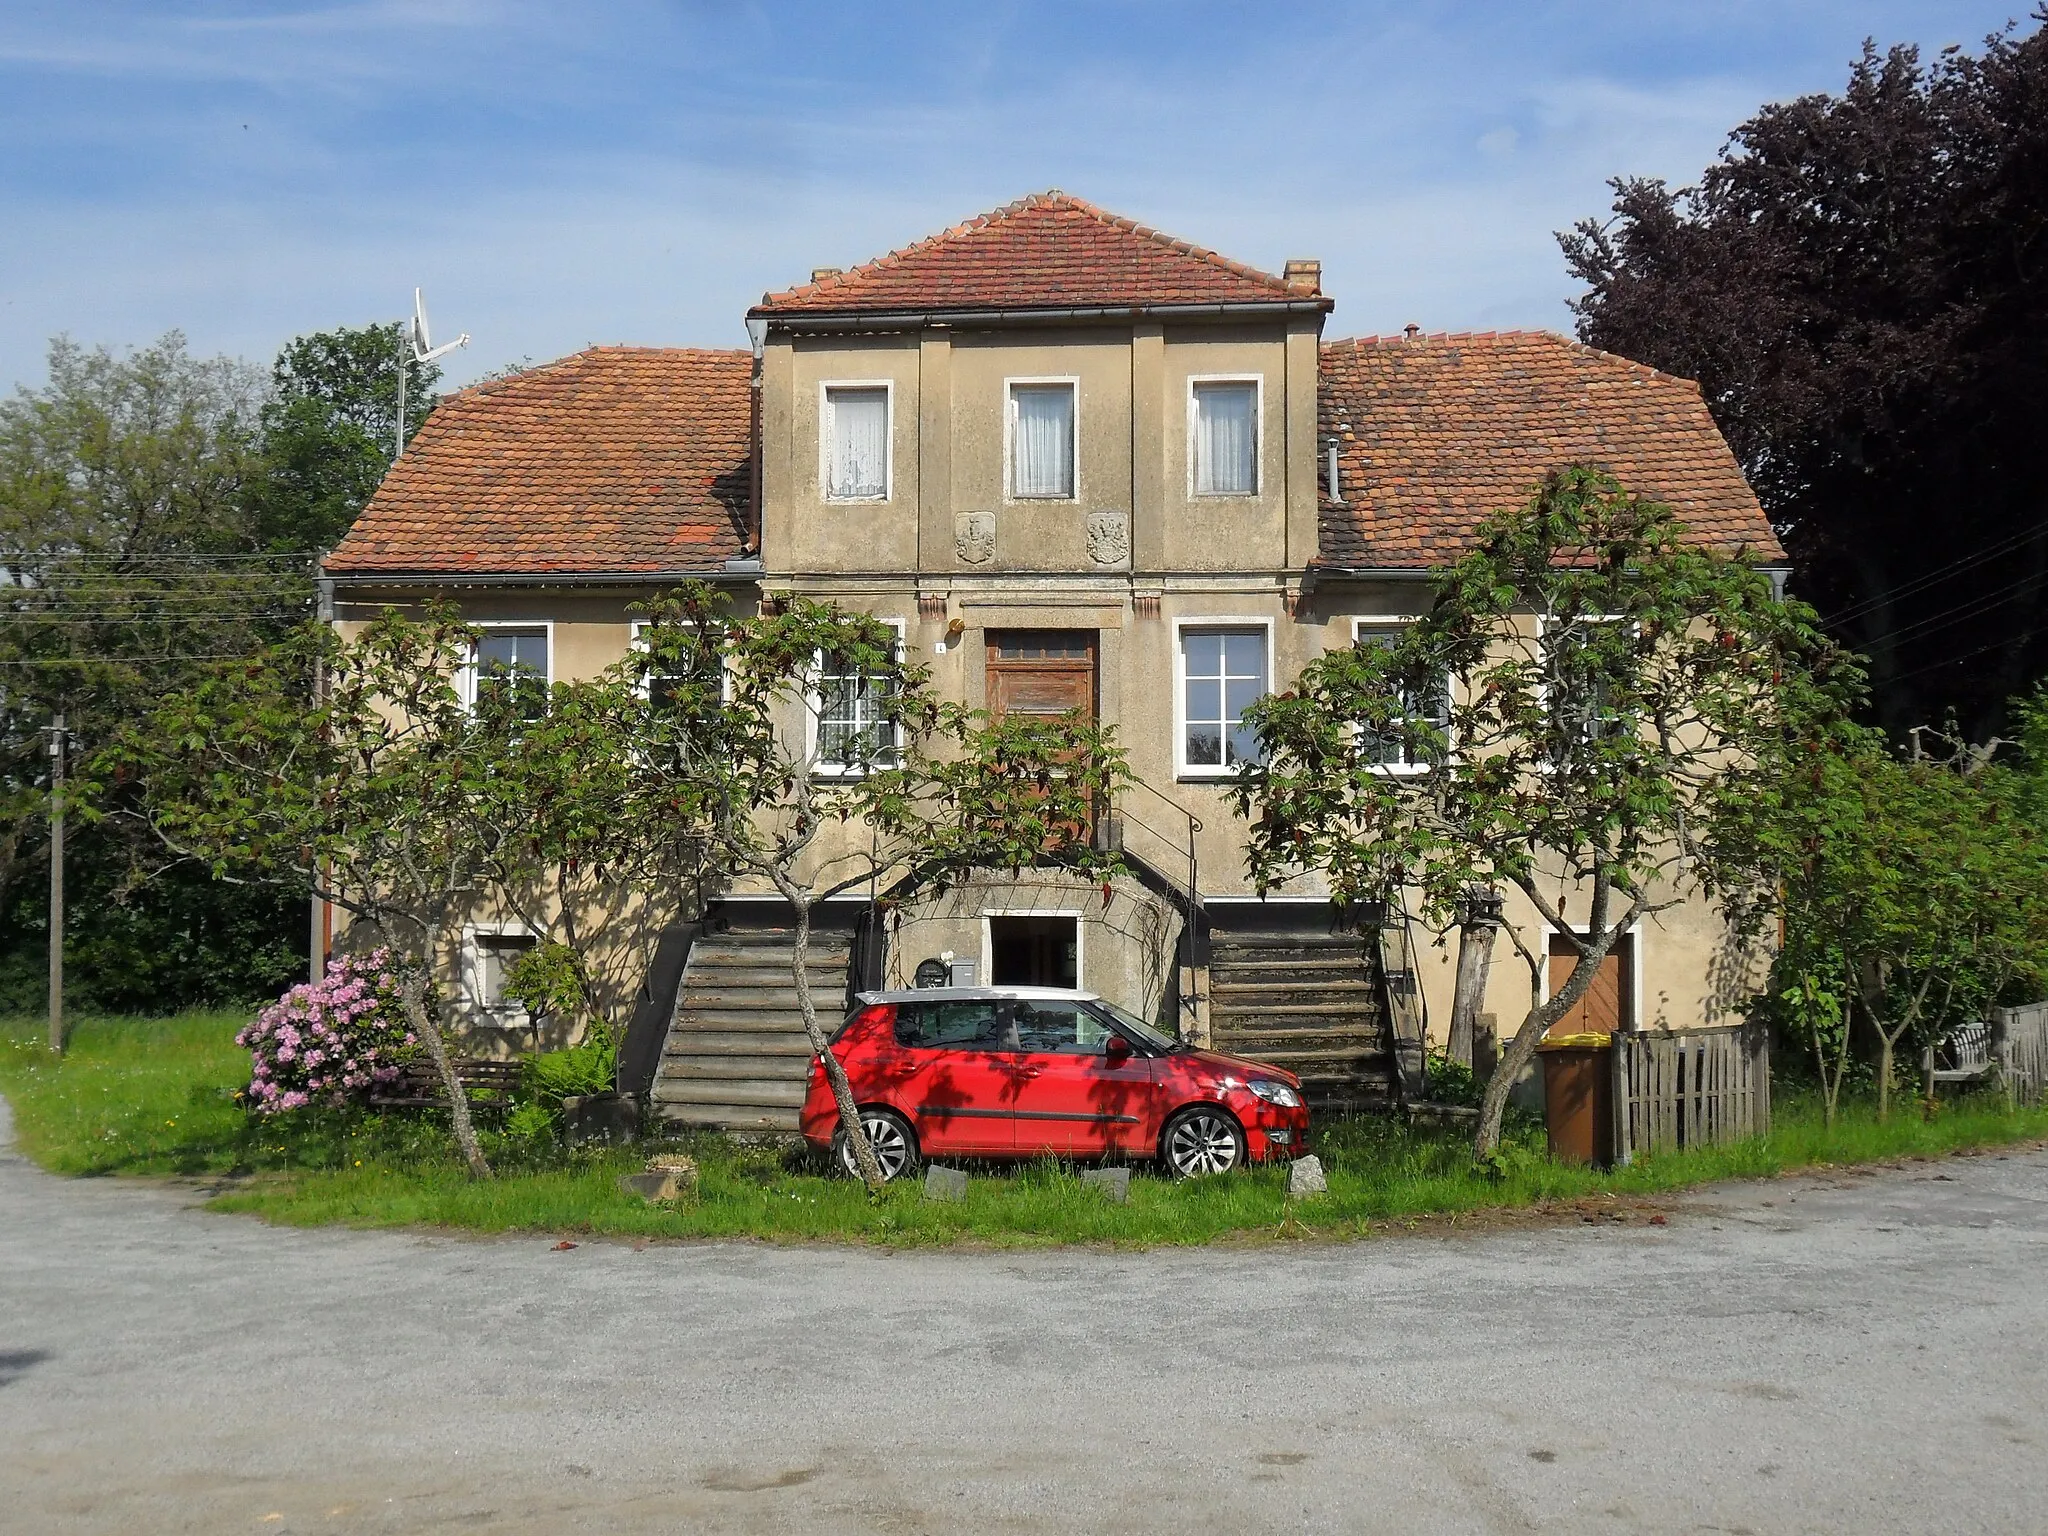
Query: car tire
[[889, 1134], [1202, 1139]]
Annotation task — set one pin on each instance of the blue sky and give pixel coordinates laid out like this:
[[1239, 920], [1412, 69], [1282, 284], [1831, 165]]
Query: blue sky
[[639, 171]]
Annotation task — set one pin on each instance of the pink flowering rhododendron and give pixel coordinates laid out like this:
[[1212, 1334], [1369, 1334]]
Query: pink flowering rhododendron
[[329, 1042]]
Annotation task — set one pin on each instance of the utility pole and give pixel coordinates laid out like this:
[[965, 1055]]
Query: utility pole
[[57, 884]]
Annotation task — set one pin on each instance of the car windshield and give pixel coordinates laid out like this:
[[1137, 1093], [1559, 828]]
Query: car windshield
[[1145, 1034]]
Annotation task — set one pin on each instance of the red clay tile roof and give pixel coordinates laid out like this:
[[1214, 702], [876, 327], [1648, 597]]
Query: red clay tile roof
[[1047, 251], [618, 459], [1440, 431]]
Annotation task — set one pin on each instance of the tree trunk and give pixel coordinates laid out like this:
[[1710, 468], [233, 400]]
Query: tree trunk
[[1884, 1076], [835, 1074], [413, 989], [1475, 964]]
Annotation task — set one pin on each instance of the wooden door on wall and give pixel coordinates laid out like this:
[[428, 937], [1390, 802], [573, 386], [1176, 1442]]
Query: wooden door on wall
[[1041, 671], [1609, 1004]]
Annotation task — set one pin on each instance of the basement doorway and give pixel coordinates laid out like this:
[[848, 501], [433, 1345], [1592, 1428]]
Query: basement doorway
[[1034, 951]]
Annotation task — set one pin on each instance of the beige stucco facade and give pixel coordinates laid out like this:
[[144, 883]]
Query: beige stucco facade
[[1134, 559]]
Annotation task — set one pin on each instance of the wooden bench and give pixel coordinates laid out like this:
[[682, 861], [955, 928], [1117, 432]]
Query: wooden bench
[[1964, 1058], [492, 1084]]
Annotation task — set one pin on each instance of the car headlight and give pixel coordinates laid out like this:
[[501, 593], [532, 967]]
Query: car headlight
[[1275, 1093]]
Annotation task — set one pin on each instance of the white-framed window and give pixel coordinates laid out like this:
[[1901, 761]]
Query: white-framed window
[[1388, 748], [510, 654], [1221, 666], [490, 950], [850, 723], [1582, 701], [658, 688], [1223, 436], [855, 446], [1041, 430]]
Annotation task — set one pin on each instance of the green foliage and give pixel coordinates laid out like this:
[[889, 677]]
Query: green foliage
[[552, 1076], [546, 982], [158, 1096], [1605, 698], [1451, 1082], [126, 541], [328, 430], [177, 941], [1914, 890]]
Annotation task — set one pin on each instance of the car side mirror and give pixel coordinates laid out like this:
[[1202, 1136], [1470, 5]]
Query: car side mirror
[[1116, 1048]]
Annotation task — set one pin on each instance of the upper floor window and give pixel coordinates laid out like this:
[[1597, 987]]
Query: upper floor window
[[1391, 748], [1042, 440], [1222, 672], [1224, 428], [856, 433], [512, 658]]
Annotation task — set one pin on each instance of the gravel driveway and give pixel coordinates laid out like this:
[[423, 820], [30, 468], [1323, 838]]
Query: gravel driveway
[[1827, 1354]]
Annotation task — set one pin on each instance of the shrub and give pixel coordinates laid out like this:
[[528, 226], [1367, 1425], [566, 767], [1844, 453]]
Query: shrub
[[591, 1067], [329, 1042]]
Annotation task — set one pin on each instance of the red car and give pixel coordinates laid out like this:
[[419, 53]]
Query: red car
[[1030, 1071]]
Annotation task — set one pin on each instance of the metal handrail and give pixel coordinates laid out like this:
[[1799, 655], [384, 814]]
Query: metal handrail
[[1193, 894]]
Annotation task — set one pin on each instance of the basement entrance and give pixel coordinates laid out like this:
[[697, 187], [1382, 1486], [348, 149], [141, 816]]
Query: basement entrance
[[1034, 951]]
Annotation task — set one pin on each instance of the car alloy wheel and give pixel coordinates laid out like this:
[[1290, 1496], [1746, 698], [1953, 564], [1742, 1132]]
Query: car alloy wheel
[[1200, 1141], [889, 1135]]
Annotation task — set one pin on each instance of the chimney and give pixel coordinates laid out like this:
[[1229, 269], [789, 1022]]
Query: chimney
[[1304, 275], [1411, 330], [819, 274]]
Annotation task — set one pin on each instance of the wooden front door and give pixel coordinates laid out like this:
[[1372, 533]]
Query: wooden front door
[[1041, 672], [1609, 1004]]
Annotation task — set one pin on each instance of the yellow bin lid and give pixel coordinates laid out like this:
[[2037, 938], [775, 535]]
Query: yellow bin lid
[[1590, 1041]]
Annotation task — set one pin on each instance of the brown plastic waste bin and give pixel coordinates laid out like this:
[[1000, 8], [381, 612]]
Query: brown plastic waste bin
[[1578, 1097]]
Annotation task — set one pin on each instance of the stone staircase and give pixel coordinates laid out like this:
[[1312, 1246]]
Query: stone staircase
[[736, 1058], [1308, 1001]]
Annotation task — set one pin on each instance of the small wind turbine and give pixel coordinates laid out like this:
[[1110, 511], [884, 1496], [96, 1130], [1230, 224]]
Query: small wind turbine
[[420, 344]]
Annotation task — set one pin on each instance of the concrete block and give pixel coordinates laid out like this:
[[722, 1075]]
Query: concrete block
[[1115, 1183], [945, 1183], [1305, 1178], [608, 1119], [667, 1180]]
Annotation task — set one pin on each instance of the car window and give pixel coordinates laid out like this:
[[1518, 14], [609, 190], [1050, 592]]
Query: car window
[[1067, 1029], [972, 1025]]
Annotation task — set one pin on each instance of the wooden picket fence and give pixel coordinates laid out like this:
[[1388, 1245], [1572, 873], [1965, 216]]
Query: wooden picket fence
[[2019, 1044], [1690, 1088]]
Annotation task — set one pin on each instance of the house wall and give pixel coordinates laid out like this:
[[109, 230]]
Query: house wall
[[1133, 558]]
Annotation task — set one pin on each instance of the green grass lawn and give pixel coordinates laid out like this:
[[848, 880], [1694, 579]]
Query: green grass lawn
[[159, 1096]]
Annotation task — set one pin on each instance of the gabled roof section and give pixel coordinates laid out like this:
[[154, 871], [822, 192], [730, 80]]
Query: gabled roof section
[[1046, 251], [617, 460], [1439, 432]]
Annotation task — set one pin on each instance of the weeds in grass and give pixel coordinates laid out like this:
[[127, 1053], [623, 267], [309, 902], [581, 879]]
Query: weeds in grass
[[159, 1096]]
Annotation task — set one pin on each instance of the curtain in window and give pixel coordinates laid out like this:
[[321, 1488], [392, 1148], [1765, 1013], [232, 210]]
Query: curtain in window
[[1042, 440], [1226, 440], [860, 442]]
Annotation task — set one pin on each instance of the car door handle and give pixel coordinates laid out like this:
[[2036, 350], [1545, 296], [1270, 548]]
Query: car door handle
[[1026, 1071]]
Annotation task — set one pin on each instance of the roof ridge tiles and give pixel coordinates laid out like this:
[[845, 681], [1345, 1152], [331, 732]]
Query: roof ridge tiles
[[954, 290]]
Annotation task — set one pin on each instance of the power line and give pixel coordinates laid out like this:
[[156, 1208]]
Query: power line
[[1940, 573], [124, 661], [1983, 603], [1949, 661]]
